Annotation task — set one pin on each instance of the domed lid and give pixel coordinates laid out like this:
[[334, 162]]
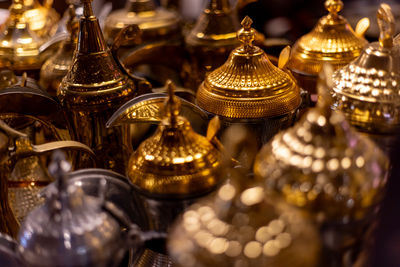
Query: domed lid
[[368, 89], [18, 44], [215, 27], [176, 161], [93, 68], [248, 85], [240, 226], [70, 228], [323, 165], [155, 23], [332, 40]]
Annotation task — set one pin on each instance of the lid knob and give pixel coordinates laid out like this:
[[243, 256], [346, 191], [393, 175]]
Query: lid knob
[[87, 8], [334, 6], [386, 25], [172, 105], [246, 34]]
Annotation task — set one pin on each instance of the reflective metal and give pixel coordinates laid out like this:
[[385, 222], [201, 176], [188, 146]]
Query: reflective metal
[[249, 88], [240, 226], [367, 90], [19, 46], [56, 67], [332, 40], [325, 167], [156, 24], [8, 247], [175, 163], [210, 41], [94, 88], [42, 19], [23, 175], [70, 228]]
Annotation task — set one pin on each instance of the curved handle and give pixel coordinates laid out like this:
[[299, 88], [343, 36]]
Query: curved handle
[[386, 25], [362, 27]]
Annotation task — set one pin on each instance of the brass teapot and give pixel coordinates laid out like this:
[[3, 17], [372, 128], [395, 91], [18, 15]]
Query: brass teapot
[[22, 176], [323, 166], [367, 89], [332, 40], [249, 89], [93, 89], [19, 45], [239, 225], [156, 24]]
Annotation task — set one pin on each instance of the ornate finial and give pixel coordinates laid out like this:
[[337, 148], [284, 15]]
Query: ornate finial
[[325, 84], [386, 25], [58, 168], [246, 34], [172, 105], [334, 6], [87, 8]]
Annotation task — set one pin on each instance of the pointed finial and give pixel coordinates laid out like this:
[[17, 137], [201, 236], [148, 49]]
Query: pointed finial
[[58, 168], [87, 8], [72, 23], [386, 25], [334, 6], [325, 85], [246, 35], [172, 105]]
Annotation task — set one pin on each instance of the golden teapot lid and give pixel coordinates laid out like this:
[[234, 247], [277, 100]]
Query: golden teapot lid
[[332, 40], [248, 85], [367, 90], [155, 23], [323, 165], [175, 161], [19, 46], [215, 27]]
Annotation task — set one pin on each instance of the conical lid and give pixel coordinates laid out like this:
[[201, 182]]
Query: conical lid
[[175, 161], [240, 226], [367, 90], [18, 44], [70, 228], [323, 165], [215, 27], [248, 85], [156, 23], [332, 40], [93, 68]]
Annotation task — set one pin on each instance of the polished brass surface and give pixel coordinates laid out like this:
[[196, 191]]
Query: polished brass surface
[[175, 162], [210, 41], [240, 226], [332, 40], [56, 67], [42, 19], [157, 24], [7, 78], [325, 167], [19, 46], [93, 89], [248, 85], [367, 90]]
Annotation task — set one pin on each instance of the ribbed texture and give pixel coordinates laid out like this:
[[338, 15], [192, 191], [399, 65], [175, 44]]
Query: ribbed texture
[[248, 86], [332, 41]]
